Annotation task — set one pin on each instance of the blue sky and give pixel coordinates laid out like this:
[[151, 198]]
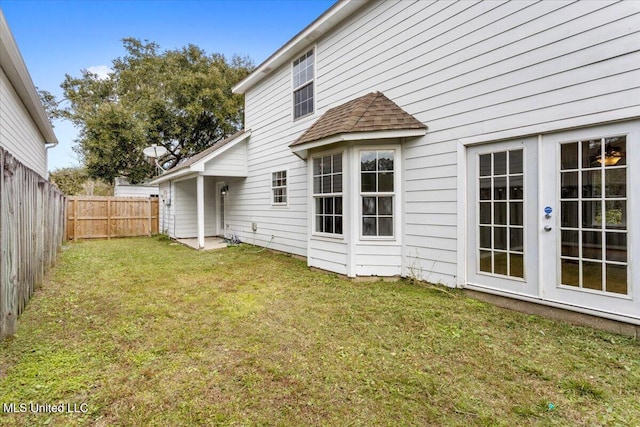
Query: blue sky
[[64, 37]]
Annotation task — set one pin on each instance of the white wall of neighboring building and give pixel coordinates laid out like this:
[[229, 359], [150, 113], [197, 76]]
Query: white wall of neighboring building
[[24, 126], [132, 190], [18, 133]]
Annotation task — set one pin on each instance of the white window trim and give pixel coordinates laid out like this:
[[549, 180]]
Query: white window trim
[[343, 194], [312, 82], [286, 187], [396, 195]]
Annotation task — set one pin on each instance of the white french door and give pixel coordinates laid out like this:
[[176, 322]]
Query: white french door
[[557, 218], [501, 208], [593, 233]]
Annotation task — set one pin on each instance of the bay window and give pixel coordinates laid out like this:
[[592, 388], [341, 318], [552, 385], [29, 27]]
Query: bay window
[[327, 194], [377, 192]]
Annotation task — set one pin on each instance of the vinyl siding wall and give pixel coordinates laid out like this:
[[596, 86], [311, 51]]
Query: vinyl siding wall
[[232, 162], [469, 71], [18, 133], [269, 116], [185, 208], [167, 208]]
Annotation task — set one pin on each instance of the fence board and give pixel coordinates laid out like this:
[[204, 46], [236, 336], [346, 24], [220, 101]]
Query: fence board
[[93, 217], [31, 231]]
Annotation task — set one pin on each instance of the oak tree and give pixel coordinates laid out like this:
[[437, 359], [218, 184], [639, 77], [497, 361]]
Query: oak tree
[[180, 99]]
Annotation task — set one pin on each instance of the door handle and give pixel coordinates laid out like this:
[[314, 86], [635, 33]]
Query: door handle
[[547, 228]]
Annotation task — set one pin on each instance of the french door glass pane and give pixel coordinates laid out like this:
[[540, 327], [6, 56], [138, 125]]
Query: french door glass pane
[[570, 272], [569, 185], [615, 182], [485, 165], [500, 213], [593, 221], [591, 184], [570, 243], [515, 162], [516, 265], [501, 195], [569, 156], [500, 163], [616, 278], [617, 247], [592, 275], [591, 150], [500, 263]]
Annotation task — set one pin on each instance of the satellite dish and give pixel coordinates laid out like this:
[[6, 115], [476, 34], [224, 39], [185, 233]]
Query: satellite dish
[[155, 151]]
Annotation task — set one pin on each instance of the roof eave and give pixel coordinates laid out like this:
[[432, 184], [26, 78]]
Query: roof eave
[[324, 23], [171, 176], [302, 150], [17, 73]]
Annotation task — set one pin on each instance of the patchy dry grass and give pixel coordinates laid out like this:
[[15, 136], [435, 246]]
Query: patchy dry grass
[[148, 333]]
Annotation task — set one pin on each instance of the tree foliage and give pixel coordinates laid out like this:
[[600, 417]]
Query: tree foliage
[[74, 181], [180, 99], [50, 104]]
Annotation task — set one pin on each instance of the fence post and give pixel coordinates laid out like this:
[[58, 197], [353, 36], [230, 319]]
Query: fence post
[[8, 299], [75, 219], [109, 218]]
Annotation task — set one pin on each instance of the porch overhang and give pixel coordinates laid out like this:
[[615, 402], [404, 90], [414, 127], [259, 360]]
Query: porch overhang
[[211, 162]]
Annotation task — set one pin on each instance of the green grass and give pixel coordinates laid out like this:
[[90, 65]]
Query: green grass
[[149, 333]]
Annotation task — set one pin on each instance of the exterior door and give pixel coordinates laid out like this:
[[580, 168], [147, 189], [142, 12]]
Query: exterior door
[[220, 196], [502, 224], [587, 242]]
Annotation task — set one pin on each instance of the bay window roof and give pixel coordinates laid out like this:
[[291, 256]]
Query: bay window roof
[[372, 116]]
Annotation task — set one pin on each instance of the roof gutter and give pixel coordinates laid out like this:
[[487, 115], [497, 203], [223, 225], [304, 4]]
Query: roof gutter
[[325, 22], [170, 176]]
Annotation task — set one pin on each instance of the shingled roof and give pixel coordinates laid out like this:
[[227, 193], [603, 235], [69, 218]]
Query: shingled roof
[[371, 112]]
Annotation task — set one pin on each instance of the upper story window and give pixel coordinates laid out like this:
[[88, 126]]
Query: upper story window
[[303, 85], [279, 188]]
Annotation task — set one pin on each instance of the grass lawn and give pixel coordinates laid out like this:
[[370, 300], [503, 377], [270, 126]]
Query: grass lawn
[[146, 333]]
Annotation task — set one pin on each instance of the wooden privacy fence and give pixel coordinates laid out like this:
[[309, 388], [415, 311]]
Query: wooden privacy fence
[[31, 231], [92, 217]]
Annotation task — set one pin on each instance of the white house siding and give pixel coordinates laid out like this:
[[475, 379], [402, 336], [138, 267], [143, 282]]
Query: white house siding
[[167, 208], [268, 115], [465, 69], [20, 135], [232, 162], [185, 208]]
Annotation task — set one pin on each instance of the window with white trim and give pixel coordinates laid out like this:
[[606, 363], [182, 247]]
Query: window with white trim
[[377, 192], [279, 188], [327, 194], [303, 85]]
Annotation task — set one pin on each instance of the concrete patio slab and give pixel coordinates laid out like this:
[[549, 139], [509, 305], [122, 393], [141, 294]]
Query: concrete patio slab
[[209, 243]]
